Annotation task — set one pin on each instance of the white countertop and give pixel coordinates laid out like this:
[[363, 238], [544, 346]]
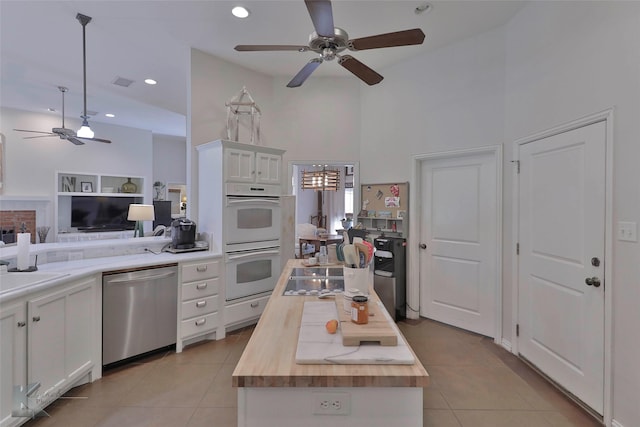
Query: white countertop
[[71, 270]]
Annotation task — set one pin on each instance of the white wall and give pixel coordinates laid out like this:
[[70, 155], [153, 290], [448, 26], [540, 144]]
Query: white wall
[[169, 159], [449, 99], [566, 60], [30, 164]]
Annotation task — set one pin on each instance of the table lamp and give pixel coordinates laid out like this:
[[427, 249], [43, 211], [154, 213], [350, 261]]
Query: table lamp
[[139, 213]]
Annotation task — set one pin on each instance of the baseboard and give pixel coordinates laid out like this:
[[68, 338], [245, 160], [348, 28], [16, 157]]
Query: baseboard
[[614, 423], [506, 345]]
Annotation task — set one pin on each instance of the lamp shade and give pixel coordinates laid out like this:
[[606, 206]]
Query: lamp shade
[[139, 212]]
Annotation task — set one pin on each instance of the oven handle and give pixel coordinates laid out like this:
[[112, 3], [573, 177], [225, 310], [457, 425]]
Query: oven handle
[[242, 200], [252, 254]]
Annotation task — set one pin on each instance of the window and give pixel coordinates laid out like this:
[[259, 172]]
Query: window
[[348, 201]]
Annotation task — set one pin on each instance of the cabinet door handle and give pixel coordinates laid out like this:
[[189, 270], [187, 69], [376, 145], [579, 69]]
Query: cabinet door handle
[[22, 324], [201, 286], [201, 322], [201, 268], [36, 318], [255, 304], [201, 304]]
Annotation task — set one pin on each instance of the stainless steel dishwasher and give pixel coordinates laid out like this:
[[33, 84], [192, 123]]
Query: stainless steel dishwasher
[[139, 311]]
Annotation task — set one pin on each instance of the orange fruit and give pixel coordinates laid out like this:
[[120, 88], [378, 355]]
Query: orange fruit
[[332, 326]]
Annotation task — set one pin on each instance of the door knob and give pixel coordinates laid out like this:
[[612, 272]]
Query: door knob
[[595, 261], [592, 281], [423, 246]]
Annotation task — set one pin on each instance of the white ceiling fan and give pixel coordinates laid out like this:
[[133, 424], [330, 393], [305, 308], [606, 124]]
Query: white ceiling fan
[[329, 41], [85, 133]]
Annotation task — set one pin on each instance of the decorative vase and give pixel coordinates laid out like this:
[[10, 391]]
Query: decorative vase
[[129, 187]]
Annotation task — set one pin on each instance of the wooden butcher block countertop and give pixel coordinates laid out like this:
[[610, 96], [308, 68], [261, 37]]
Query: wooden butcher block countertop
[[269, 358]]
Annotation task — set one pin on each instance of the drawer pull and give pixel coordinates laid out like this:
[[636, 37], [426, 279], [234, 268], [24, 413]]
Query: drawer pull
[[255, 304], [201, 322], [201, 268], [201, 304], [36, 318], [22, 324], [202, 286]]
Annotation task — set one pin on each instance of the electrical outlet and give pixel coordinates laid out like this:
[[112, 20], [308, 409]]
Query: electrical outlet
[[627, 231], [331, 403]]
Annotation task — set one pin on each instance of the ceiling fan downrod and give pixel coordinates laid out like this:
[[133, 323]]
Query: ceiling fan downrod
[[84, 20]]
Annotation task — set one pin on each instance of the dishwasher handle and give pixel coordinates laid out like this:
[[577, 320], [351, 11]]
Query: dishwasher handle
[[141, 278]]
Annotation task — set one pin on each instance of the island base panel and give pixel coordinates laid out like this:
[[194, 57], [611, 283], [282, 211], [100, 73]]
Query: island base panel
[[294, 407]]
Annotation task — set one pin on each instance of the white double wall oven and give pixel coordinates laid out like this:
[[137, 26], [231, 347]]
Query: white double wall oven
[[252, 216]]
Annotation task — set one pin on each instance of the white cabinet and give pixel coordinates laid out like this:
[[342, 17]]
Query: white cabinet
[[51, 338], [62, 339], [268, 168], [13, 357], [252, 165], [200, 306], [244, 313]]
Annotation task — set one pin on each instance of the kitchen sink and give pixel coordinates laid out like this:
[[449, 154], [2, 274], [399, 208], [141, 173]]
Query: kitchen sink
[[11, 281], [314, 281]]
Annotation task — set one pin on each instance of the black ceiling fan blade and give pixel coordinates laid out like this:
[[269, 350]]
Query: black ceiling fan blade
[[360, 70], [322, 16], [305, 72], [106, 141], [40, 136], [269, 48], [398, 38], [74, 140], [33, 131]]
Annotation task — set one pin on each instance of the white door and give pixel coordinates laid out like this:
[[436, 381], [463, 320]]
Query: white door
[[561, 262], [458, 267]]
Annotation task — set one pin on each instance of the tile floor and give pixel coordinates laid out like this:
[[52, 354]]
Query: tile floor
[[474, 383]]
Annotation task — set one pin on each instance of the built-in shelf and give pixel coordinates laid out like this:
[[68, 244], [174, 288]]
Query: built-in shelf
[[70, 185]]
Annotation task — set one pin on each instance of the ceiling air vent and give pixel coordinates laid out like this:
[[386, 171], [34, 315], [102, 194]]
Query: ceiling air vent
[[121, 81]]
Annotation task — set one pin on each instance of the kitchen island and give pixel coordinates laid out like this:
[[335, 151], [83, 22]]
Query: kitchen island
[[274, 390]]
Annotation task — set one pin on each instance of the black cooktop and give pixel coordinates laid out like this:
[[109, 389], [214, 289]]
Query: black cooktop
[[314, 281]]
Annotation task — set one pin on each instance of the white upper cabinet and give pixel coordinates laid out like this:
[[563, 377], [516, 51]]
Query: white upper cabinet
[[252, 164]]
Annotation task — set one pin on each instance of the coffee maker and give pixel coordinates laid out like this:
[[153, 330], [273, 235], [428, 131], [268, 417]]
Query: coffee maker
[[183, 233]]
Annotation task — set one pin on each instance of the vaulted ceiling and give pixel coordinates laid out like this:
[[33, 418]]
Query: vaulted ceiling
[[41, 47]]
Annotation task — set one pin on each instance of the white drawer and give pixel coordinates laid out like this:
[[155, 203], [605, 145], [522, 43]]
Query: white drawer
[[199, 307], [198, 325], [200, 270], [246, 310], [200, 289]]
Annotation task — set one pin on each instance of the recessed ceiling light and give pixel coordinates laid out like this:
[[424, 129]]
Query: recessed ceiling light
[[110, 115], [150, 81], [240, 12]]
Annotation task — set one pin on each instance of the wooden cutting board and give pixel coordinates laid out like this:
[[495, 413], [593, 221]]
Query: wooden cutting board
[[378, 330]]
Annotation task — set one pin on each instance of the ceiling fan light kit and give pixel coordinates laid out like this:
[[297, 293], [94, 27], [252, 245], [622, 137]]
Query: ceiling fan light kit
[[329, 41]]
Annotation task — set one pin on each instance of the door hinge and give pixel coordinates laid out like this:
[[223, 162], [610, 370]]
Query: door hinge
[[517, 248], [517, 162], [517, 330]]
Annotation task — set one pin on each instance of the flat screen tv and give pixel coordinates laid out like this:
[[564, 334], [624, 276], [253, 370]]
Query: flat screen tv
[[100, 213]]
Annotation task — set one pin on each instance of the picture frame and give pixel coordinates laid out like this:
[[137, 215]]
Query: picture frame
[[86, 187], [348, 170], [401, 214]]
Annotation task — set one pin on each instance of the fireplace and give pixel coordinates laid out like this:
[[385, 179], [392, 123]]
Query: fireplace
[[11, 221]]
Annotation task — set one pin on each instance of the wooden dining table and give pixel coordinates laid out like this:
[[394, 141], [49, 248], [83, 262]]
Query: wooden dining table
[[319, 240]]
